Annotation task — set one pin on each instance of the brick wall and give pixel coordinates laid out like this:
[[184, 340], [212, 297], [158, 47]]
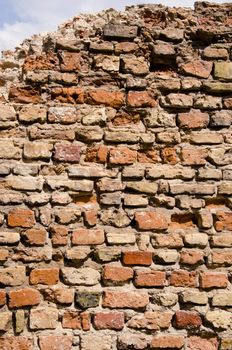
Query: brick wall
[[115, 183]]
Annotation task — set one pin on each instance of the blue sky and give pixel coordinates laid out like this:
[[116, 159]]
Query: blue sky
[[19, 19]]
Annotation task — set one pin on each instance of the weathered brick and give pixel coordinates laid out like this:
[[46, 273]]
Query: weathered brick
[[141, 99], [13, 276], [223, 70], [55, 342], [213, 280], [37, 150], [114, 99], [92, 236], [43, 318], [183, 278], [169, 341], [193, 120], [187, 319], [120, 31], [151, 320], [150, 278], [24, 297], [134, 341], [44, 276], [21, 218], [197, 68], [194, 156], [125, 299], [16, 343], [109, 320], [85, 276], [122, 156], [153, 220], [35, 113], [67, 153], [117, 275], [198, 343], [76, 320]]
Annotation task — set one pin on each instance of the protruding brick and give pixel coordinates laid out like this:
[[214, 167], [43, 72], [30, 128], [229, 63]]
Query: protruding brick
[[137, 258], [187, 319], [21, 218], [44, 276], [24, 297]]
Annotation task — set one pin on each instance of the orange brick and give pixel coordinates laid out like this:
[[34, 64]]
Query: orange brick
[[24, 297], [48, 276]]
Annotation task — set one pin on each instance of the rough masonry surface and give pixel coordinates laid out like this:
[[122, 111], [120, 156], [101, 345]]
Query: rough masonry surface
[[116, 183]]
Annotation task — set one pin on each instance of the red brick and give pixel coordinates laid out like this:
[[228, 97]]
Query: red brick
[[41, 62], [169, 155], [197, 68], [122, 155], [223, 220], [137, 258], [187, 319], [117, 274], [2, 297], [21, 218], [166, 342], [35, 236], [73, 95], [213, 280], [152, 220], [59, 235], [24, 297], [113, 99], [197, 343], [109, 320], [150, 278], [140, 99], [83, 236], [221, 257], [194, 156], [125, 299], [191, 257], [16, 343], [24, 94], [67, 153], [48, 276], [76, 320], [150, 156], [183, 278], [73, 61], [193, 120], [97, 154], [55, 342], [90, 217]]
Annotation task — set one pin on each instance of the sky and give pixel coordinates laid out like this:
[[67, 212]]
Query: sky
[[19, 19]]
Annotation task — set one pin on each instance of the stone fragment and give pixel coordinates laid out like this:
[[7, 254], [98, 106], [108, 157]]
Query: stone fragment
[[33, 113], [12, 276], [158, 118], [85, 276], [223, 70], [208, 102], [220, 319], [120, 31], [96, 342], [9, 238], [132, 341], [25, 183], [63, 115], [177, 101], [222, 299], [151, 320], [134, 65], [87, 299], [5, 321], [169, 341], [55, 342], [194, 297], [19, 321], [16, 343], [43, 318], [8, 150], [107, 63], [117, 237], [37, 150]]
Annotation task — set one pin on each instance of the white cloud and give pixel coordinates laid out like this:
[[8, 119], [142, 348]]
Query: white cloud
[[45, 15]]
